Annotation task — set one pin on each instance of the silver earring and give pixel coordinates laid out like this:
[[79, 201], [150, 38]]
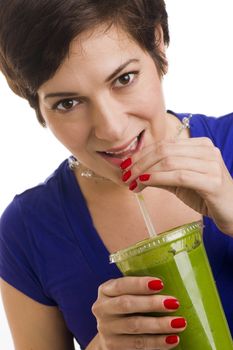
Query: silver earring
[[73, 163], [185, 124], [186, 121]]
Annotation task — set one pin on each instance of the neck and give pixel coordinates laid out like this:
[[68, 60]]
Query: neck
[[99, 186]]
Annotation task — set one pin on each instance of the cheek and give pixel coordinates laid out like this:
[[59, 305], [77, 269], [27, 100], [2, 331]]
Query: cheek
[[149, 106], [68, 131], [150, 100], [70, 135]]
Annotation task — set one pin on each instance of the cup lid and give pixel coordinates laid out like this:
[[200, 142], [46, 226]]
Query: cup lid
[[159, 240]]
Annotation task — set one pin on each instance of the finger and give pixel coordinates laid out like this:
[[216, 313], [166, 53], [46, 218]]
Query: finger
[[136, 186], [212, 169], [131, 285], [144, 325], [201, 144], [182, 163], [131, 304], [201, 141], [143, 342], [185, 179], [167, 155]]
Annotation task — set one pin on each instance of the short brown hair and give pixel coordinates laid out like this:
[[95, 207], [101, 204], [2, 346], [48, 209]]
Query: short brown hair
[[35, 35]]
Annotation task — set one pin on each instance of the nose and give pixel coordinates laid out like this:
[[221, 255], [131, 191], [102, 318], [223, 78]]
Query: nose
[[110, 121]]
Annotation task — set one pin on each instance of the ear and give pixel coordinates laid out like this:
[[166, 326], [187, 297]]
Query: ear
[[159, 40]]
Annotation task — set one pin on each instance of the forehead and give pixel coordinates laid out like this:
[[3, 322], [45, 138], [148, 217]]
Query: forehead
[[94, 54], [103, 39]]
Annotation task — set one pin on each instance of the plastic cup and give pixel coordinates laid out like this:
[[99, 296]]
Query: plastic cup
[[178, 257]]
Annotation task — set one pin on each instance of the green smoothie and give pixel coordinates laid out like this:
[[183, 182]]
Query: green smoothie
[[178, 257]]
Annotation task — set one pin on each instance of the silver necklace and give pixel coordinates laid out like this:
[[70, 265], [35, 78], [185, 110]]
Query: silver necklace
[[74, 163]]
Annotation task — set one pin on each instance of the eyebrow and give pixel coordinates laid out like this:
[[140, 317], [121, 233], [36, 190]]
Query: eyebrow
[[120, 68], [110, 77], [60, 94]]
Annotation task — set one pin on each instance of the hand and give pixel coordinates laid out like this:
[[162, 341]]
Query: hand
[[192, 169], [120, 313]]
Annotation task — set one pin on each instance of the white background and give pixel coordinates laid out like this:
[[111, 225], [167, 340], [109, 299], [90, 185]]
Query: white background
[[199, 80]]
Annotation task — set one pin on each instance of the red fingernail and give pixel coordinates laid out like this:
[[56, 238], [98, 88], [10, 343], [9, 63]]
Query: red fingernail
[[171, 304], [133, 185], [155, 285], [144, 177], [178, 323], [126, 163], [126, 175], [172, 339]]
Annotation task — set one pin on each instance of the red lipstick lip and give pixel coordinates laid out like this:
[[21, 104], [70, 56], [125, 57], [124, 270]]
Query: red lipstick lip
[[117, 149], [116, 161]]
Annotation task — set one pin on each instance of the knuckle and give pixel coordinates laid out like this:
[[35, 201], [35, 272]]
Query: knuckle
[[99, 326], [134, 325], [94, 308], [101, 288], [140, 342], [138, 168], [97, 310], [124, 303], [162, 150], [159, 325], [218, 170], [217, 152], [106, 287], [102, 328], [106, 284], [155, 303], [117, 286], [181, 177], [168, 163], [206, 141], [217, 182], [110, 344]]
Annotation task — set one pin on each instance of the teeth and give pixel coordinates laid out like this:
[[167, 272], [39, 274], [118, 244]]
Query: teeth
[[131, 146]]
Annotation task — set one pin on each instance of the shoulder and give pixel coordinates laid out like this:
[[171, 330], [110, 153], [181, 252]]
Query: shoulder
[[27, 230], [33, 206], [217, 128], [51, 186], [214, 127], [34, 198]]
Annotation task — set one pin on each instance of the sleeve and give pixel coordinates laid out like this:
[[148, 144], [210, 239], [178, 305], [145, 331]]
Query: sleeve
[[16, 259], [222, 131]]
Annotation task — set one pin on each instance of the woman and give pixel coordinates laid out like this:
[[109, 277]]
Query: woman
[[92, 70]]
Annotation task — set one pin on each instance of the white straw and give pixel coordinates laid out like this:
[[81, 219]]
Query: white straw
[[139, 196], [145, 214]]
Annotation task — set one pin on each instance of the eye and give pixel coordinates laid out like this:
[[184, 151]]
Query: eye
[[125, 79], [66, 105]]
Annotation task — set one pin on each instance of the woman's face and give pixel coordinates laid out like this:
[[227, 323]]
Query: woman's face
[[105, 102]]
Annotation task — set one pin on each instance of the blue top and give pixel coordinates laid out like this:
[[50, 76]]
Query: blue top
[[51, 251]]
